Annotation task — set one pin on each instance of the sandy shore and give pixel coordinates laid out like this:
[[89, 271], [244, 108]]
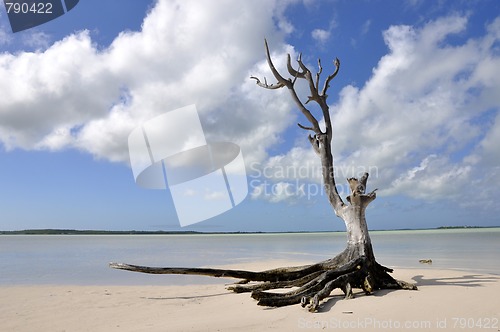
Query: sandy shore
[[446, 300]]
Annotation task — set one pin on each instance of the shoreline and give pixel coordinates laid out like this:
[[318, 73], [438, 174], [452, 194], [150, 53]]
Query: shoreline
[[446, 300], [57, 231]]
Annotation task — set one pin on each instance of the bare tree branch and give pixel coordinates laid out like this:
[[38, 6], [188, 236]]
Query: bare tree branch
[[318, 74], [304, 127], [275, 72], [309, 99], [307, 75], [290, 85], [292, 71], [267, 86], [331, 77], [305, 70]]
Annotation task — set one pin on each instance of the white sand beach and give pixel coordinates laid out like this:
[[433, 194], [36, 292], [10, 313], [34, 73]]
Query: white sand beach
[[447, 300]]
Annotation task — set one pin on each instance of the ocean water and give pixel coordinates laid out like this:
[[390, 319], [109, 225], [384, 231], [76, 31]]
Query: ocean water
[[83, 259]]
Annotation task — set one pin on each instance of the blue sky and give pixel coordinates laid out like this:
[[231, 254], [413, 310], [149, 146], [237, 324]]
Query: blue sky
[[416, 103]]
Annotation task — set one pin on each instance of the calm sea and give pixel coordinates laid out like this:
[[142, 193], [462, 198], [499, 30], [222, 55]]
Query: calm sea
[[83, 259]]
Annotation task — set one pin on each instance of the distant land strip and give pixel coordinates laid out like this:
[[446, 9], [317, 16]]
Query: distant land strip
[[90, 232], [134, 232]]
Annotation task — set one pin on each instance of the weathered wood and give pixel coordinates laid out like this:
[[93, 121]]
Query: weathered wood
[[274, 275], [355, 267]]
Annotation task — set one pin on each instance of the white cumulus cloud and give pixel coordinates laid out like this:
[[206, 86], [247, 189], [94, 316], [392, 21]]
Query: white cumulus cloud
[[75, 94], [320, 35]]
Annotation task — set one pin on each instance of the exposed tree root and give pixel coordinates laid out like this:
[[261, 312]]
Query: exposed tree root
[[313, 282]]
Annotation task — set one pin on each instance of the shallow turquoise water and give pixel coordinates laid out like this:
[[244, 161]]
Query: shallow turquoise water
[[83, 259]]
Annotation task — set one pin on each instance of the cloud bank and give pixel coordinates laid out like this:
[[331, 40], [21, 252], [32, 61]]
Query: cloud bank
[[428, 117]]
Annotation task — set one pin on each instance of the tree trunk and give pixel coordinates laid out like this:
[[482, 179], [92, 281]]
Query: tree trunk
[[355, 267]]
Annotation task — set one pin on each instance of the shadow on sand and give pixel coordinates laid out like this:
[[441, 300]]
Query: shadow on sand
[[468, 280]]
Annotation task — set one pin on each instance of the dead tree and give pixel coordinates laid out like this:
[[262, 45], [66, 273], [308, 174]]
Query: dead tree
[[355, 267]]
